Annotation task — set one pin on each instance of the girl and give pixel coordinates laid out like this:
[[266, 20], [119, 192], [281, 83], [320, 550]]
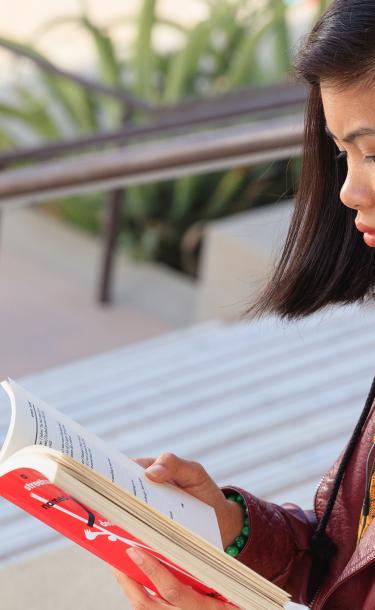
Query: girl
[[324, 557]]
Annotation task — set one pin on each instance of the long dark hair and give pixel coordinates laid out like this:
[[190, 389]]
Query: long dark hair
[[325, 260]]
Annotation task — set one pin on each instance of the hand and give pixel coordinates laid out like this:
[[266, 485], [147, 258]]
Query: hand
[[176, 595], [192, 478]]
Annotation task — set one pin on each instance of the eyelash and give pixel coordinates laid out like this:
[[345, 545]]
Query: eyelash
[[343, 155]]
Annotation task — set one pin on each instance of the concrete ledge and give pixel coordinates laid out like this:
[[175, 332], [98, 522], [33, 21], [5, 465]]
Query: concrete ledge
[[238, 255]]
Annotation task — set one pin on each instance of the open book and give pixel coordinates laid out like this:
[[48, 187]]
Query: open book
[[62, 474]]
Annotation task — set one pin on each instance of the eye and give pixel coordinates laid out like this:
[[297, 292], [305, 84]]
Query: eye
[[343, 154], [371, 159]]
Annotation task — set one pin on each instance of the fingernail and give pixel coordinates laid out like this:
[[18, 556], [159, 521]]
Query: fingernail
[[135, 556], [156, 470]]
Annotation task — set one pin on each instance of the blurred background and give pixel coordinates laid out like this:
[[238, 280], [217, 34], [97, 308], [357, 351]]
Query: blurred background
[[77, 71], [149, 153]]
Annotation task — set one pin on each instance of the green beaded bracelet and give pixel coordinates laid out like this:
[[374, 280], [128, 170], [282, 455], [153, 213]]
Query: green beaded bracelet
[[240, 541]]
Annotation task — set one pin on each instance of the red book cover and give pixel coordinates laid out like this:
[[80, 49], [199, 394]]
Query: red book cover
[[32, 492]]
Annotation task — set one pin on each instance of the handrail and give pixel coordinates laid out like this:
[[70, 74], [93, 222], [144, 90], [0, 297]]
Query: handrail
[[161, 119], [224, 147], [209, 112], [154, 161]]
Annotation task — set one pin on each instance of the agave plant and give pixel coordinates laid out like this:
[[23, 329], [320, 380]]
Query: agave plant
[[223, 52]]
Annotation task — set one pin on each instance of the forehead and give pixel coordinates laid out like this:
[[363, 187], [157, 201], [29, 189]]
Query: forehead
[[350, 108]]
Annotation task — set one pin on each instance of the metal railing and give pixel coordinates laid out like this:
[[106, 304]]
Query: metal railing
[[242, 128], [165, 159]]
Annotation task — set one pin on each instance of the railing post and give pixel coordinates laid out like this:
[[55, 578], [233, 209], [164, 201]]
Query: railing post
[[114, 205]]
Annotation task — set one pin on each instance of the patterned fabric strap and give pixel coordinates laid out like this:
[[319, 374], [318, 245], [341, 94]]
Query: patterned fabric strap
[[368, 507]]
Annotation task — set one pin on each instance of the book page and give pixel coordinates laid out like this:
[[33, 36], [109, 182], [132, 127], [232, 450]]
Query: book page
[[34, 422]]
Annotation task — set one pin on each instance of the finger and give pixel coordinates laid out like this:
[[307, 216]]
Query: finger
[[145, 462], [172, 591], [137, 595], [170, 588], [188, 475], [184, 472]]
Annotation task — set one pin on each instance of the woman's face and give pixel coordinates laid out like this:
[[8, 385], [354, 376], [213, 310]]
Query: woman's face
[[350, 120]]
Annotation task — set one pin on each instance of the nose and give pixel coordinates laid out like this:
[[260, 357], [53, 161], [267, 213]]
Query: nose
[[357, 192]]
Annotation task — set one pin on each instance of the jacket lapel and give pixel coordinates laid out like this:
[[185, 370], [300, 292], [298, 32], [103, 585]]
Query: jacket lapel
[[363, 556]]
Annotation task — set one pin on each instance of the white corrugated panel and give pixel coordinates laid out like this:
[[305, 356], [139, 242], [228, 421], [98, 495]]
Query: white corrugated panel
[[264, 405]]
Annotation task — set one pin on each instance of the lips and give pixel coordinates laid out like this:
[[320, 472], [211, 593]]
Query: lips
[[368, 234], [364, 229]]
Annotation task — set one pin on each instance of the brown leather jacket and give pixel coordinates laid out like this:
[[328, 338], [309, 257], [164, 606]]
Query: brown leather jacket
[[279, 541]]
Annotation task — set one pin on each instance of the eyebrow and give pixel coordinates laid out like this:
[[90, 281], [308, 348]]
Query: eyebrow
[[351, 136]]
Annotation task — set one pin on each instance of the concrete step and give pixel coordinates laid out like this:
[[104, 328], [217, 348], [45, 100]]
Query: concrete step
[[48, 283]]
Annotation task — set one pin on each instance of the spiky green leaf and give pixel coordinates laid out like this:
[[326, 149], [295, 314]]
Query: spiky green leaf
[[185, 63], [109, 65], [143, 52], [228, 186], [244, 68]]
